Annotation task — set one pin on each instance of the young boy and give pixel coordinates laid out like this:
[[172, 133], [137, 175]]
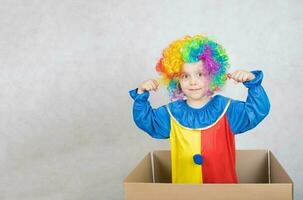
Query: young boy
[[201, 127]]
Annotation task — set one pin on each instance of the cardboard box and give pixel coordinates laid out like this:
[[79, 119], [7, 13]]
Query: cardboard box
[[260, 176]]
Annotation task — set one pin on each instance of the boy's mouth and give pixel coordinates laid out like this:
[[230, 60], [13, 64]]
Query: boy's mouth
[[194, 89]]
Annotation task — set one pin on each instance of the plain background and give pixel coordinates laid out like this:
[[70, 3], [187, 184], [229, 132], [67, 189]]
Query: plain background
[[66, 128]]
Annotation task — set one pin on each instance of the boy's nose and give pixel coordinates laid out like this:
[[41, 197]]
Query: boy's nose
[[193, 81]]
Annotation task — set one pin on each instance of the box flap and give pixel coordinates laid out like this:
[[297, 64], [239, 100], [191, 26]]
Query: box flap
[[162, 166], [277, 173], [252, 166], [143, 173]]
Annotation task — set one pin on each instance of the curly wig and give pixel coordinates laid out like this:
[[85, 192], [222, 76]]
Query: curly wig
[[190, 49]]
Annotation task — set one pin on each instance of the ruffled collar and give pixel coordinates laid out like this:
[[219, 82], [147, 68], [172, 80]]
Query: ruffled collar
[[198, 117]]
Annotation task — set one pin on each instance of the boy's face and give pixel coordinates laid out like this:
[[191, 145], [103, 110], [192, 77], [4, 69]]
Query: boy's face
[[192, 81]]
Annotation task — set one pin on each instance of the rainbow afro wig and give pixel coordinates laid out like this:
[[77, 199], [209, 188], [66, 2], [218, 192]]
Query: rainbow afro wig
[[190, 49]]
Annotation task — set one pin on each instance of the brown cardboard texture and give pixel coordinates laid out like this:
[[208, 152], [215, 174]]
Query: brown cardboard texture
[[260, 176]]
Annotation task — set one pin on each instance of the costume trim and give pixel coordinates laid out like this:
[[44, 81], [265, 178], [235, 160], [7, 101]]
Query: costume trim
[[207, 127]]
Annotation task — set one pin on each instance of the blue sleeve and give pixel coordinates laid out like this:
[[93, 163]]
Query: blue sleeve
[[243, 116], [155, 122]]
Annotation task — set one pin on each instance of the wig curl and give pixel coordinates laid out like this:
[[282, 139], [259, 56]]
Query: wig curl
[[190, 49]]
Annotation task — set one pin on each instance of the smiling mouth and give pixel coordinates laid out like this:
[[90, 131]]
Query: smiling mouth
[[194, 89]]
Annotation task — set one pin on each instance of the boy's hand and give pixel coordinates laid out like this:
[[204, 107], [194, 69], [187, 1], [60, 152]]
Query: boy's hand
[[241, 76], [148, 85]]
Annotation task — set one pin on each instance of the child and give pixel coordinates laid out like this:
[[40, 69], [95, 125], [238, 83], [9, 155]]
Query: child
[[201, 127]]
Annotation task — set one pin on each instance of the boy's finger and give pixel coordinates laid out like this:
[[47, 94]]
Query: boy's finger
[[240, 77], [245, 77], [234, 75], [149, 86], [154, 86], [156, 82], [228, 75]]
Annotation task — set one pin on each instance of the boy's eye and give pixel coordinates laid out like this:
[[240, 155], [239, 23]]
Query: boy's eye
[[200, 74], [184, 76]]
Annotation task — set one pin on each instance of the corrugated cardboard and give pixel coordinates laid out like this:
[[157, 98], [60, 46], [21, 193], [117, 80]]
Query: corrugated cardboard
[[260, 177]]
